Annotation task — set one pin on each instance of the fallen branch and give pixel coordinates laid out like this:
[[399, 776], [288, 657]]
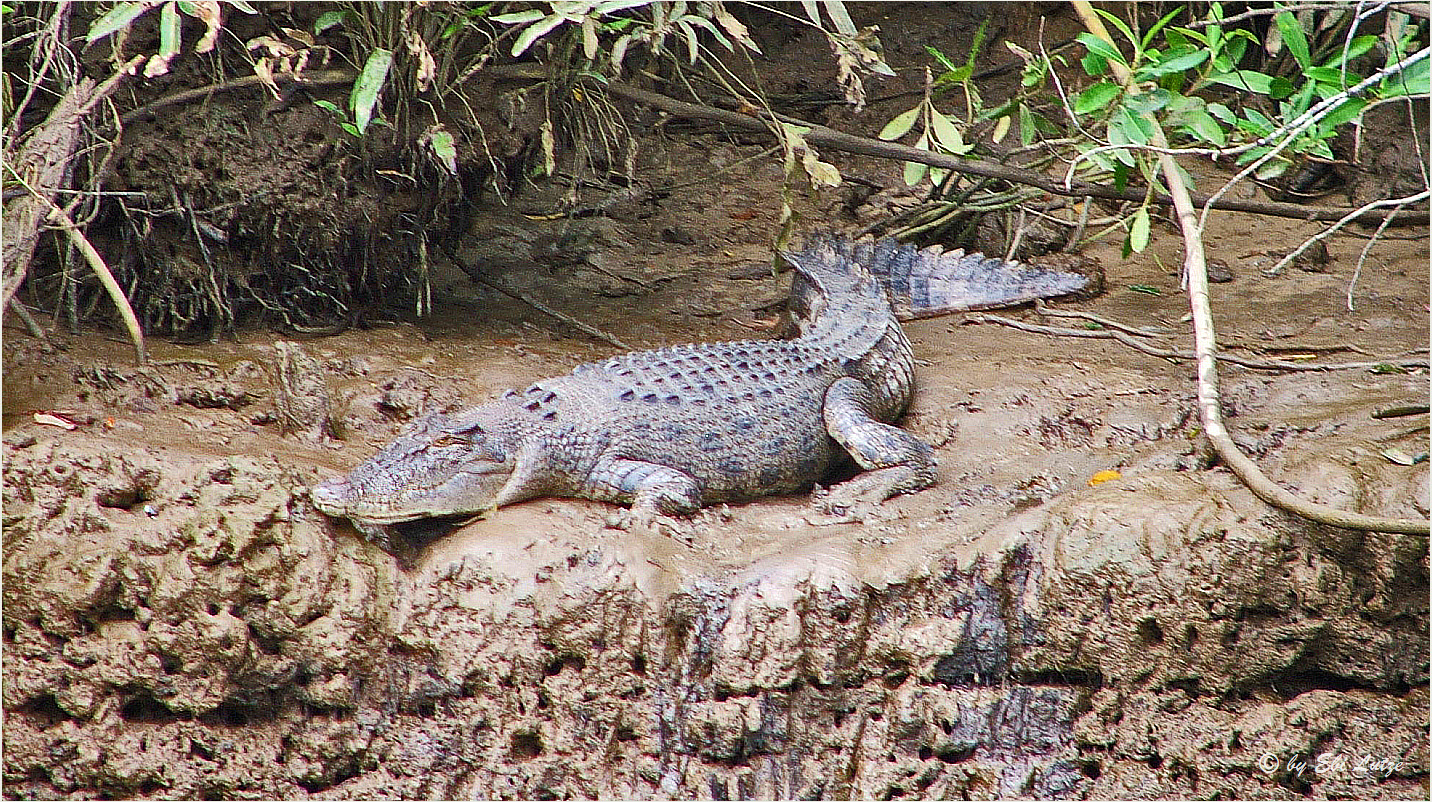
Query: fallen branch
[[322, 78], [1044, 309], [828, 137], [1206, 347], [1165, 353]]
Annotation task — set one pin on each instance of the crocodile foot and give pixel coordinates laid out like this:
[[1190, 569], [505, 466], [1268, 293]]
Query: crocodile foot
[[632, 520]]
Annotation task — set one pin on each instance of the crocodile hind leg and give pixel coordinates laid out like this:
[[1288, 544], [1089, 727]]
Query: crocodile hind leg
[[653, 491], [895, 461]]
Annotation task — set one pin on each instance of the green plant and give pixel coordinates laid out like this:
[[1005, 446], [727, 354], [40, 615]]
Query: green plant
[[119, 19], [1283, 118], [939, 131]]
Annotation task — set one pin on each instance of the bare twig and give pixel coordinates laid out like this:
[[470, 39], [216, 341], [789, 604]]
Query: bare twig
[[322, 78], [1166, 353], [1205, 347], [1332, 229], [1045, 309], [1400, 412], [1361, 258], [1415, 9]]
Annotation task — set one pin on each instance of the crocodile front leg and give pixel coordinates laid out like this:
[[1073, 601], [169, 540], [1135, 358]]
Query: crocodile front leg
[[652, 490], [895, 461]]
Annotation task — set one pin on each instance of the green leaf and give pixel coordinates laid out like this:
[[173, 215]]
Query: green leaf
[[1293, 38], [169, 41], [1185, 34], [1026, 126], [1206, 128], [812, 10], [1148, 102], [1223, 113], [1355, 48], [1139, 230], [1096, 97], [942, 58], [370, 82], [840, 18], [1121, 174], [946, 134], [242, 6], [1249, 80], [1094, 64], [1413, 80], [115, 19], [1260, 119], [1120, 24], [1099, 47], [899, 125], [1116, 135], [1001, 128], [1272, 169], [327, 20], [530, 15], [1158, 26], [1146, 289], [914, 171], [534, 32], [443, 146], [330, 106], [609, 6], [1136, 128], [351, 129], [1174, 63]]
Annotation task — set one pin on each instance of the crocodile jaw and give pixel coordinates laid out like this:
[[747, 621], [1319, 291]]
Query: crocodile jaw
[[372, 494]]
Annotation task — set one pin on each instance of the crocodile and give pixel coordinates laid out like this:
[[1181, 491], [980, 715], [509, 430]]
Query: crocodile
[[669, 431]]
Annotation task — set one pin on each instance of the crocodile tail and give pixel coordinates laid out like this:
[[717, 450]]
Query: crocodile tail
[[925, 282], [836, 299]]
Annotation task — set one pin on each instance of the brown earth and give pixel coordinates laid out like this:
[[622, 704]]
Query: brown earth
[[179, 621]]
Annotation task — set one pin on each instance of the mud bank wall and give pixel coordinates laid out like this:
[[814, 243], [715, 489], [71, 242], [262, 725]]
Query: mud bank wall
[[1160, 638]]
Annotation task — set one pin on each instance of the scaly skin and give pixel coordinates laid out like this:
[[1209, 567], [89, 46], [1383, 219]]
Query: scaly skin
[[671, 430]]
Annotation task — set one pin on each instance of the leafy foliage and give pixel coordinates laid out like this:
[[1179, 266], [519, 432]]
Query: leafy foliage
[[122, 16]]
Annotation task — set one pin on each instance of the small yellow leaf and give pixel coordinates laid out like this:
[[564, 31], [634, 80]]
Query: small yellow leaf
[[1001, 128], [1102, 477]]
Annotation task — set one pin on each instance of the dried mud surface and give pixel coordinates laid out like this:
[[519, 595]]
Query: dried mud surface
[[180, 623]]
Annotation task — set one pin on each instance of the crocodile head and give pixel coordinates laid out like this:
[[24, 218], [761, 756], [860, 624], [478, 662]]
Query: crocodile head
[[439, 466]]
